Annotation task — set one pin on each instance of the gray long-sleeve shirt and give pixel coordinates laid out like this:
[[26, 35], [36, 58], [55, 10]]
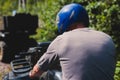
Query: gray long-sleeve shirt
[[84, 54]]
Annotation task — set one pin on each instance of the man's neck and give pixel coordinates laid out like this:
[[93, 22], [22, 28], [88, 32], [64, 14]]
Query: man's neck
[[76, 26]]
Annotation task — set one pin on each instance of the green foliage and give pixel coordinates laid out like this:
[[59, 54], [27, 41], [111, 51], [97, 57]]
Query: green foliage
[[6, 7], [46, 11], [117, 72]]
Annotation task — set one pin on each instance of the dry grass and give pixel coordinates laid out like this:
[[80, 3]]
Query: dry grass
[[4, 68]]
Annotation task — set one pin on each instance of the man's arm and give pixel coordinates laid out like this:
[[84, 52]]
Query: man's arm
[[47, 60], [35, 72]]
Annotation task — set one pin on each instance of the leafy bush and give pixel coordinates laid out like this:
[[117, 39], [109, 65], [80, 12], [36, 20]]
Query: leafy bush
[[117, 72], [47, 11]]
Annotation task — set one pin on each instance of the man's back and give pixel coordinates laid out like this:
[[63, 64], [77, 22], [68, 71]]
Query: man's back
[[86, 54]]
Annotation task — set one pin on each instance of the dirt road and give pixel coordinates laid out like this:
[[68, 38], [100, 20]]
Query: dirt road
[[4, 68]]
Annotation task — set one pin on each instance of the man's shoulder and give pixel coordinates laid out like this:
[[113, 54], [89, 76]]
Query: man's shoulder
[[103, 34]]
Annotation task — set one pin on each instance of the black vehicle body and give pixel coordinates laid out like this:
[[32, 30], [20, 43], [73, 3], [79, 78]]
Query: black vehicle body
[[22, 65]]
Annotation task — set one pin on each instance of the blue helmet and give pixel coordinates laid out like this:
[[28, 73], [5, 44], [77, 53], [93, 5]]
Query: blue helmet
[[69, 14]]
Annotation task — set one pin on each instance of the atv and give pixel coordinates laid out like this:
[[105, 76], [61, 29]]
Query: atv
[[25, 61]]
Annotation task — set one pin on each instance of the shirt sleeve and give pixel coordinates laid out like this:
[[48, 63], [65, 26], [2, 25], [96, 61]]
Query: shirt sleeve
[[50, 57]]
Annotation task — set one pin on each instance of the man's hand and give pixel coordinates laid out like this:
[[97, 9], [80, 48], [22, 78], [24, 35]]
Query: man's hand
[[36, 72]]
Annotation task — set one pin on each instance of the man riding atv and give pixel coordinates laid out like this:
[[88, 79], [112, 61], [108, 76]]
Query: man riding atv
[[83, 53]]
